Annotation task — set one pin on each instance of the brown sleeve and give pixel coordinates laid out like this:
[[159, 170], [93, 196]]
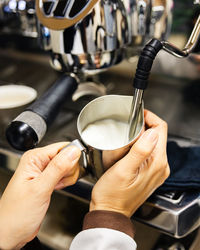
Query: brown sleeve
[[33, 245], [108, 219]]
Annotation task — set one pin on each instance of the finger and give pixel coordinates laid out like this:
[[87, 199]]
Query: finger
[[139, 152], [69, 180], [158, 159], [61, 165], [151, 119], [40, 157], [159, 155]]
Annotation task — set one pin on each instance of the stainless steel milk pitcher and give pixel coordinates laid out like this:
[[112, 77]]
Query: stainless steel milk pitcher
[[117, 107]]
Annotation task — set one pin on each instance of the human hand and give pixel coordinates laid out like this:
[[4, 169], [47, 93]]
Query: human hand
[[195, 58], [130, 181], [26, 199]]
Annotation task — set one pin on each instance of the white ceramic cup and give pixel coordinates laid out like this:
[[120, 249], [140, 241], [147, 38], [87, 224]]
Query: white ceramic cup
[[13, 100]]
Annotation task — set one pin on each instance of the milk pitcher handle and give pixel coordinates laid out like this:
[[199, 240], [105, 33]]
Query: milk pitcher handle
[[84, 165]]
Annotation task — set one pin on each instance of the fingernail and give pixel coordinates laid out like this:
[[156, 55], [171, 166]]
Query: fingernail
[[151, 135], [72, 153]]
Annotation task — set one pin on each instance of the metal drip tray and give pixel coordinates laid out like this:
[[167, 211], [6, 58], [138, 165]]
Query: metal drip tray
[[176, 214], [173, 213]]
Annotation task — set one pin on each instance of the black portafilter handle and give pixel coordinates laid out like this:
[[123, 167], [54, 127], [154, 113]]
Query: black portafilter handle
[[27, 130], [145, 63]]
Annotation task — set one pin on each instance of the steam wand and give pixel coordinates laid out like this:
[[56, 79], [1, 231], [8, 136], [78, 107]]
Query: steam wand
[[140, 82], [145, 62]]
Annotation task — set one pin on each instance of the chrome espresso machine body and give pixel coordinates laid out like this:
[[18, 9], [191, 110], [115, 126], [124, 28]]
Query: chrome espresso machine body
[[18, 18], [109, 33]]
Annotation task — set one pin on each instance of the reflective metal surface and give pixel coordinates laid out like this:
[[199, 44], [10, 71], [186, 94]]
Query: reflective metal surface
[[134, 113], [176, 213], [113, 30], [96, 42], [189, 47], [148, 19], [89, 88], [61, 14], [116, 107], [18, 17]]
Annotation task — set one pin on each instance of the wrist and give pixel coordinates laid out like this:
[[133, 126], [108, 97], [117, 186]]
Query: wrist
[[110, 220], [106, 207]]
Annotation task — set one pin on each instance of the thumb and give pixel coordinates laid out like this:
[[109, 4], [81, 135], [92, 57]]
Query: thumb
[[63, 164], [140, 151]]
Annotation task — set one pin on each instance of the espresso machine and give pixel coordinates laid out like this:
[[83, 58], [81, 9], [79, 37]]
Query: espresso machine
[[83, 41]]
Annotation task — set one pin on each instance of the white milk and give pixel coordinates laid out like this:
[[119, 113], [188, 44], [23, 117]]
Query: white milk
[[105, 134]]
